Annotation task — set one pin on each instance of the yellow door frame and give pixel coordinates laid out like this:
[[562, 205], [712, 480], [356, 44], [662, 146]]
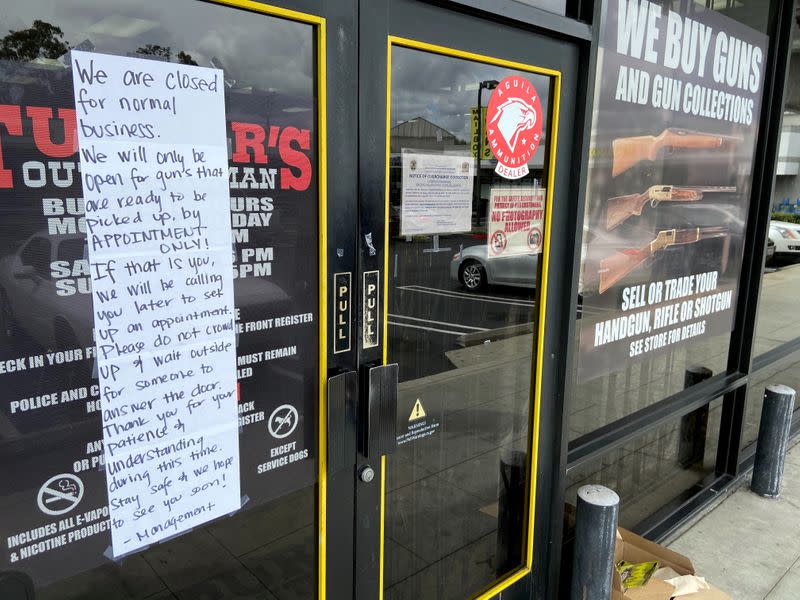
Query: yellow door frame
[[527, 567], [318, 24]]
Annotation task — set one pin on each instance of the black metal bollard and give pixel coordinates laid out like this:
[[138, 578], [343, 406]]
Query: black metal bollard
[[595, 537], [773, 440], [692, 443]]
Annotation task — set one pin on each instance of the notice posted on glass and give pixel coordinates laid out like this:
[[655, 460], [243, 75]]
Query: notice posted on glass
[[437, 193], [159, 248]]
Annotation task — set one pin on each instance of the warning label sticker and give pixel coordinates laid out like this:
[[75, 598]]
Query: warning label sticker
[[420, 425]]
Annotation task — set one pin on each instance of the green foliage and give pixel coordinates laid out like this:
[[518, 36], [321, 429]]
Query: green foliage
[[786, 217], [42, 40]]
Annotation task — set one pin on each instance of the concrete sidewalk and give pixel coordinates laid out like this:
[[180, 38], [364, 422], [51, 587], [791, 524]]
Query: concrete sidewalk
[[749, 546]]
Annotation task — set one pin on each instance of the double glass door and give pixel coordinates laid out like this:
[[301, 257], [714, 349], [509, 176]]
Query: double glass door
[[391, 206]]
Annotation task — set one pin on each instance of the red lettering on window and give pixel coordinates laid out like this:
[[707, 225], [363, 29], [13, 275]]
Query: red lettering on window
[[295, 158], [40, 117], [248, 135], [11, 117]]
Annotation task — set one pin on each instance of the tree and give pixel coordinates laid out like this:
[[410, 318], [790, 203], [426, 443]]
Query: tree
[[164, 52], [186, 59], [42, 40]]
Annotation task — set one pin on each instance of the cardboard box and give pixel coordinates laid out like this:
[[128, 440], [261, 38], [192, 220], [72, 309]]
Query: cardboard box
[[634, 548]]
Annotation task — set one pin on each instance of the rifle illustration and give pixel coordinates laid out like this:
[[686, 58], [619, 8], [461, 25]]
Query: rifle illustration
[[621, 208], [615, 267], [633, 150]]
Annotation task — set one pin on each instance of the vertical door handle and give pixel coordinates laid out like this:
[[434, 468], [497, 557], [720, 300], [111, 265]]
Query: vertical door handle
[[379, 411], [342, 395]]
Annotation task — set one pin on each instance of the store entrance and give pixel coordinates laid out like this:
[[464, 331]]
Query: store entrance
[[463, 185], [274, 300]]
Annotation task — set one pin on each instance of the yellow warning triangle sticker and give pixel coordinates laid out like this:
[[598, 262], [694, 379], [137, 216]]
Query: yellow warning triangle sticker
[[417, 412]]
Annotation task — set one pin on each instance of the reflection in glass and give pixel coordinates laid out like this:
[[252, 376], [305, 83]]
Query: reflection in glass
[[777, 321], [648, 472], [265, 551], [605, 399], [461, 327]]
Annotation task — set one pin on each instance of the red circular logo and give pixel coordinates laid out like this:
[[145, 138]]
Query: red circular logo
[[514, 125]]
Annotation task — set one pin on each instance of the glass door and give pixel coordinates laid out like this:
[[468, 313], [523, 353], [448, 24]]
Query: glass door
[[211, 456], [470, 186], [467, 248]]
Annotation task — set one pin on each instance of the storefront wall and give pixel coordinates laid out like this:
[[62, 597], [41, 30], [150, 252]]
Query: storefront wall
[[416, 357]]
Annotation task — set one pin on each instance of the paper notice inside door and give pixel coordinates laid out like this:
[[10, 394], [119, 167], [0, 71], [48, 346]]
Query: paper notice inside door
[[154, 169], [437, 193], [516, 221]]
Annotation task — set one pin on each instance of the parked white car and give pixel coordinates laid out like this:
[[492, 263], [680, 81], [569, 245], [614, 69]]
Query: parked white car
[[786, 237], [474, 270]]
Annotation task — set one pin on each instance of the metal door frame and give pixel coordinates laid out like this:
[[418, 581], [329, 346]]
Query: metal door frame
[[376, 31]]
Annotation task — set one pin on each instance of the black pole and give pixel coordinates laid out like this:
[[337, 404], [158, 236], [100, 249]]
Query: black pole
[[595, 537], [773, 440]]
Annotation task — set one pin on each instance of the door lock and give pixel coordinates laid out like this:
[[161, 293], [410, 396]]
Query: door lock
[[367, 474]]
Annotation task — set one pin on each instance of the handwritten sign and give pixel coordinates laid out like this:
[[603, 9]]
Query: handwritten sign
[[155, 182]]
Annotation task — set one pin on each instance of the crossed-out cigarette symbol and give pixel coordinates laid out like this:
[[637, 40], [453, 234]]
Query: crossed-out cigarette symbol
[[64, 491]]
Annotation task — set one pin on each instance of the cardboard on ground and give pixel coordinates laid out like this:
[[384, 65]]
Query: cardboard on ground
[[636, 549]]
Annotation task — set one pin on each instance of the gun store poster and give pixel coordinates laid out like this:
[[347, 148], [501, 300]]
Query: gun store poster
[[57, 514], [677, 103]]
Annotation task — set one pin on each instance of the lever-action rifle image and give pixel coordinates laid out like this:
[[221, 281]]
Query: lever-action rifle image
[[633, 150], [621, 208], [621, 263]]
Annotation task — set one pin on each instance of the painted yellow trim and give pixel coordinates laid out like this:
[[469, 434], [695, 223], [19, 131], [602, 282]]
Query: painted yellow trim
[[386, 214], [322, 420], [385, 294], [515, 576], [384, 463], [322, 179], [275, 11], [498, 62]]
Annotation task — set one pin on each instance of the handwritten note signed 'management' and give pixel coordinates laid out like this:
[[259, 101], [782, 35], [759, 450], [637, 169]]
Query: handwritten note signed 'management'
[[155, 182]]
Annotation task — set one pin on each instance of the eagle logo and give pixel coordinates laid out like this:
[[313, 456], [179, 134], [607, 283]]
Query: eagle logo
[[514, 116], [514, 125]]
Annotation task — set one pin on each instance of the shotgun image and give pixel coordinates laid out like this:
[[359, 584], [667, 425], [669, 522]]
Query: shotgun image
[[633, 150], [621, 208], [615, 267]]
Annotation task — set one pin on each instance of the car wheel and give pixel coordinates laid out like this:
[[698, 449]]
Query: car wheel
[[472, 275], [8, 326]]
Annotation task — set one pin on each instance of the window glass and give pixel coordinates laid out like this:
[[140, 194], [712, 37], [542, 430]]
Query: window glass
[[54, 517], [464, 270], [777, 320], [670, 174], [37, 255], [657, 468]]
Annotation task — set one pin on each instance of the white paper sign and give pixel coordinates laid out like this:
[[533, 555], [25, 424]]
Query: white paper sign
[[155, 182], [516, 221], [437, 193]]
